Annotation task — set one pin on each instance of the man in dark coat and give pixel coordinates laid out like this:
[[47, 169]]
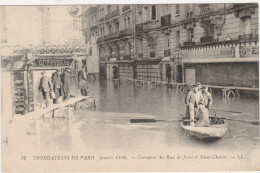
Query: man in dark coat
[[45, 87], [57, 85], [66, 83], [115, 72], [82, 77], [168, 72]]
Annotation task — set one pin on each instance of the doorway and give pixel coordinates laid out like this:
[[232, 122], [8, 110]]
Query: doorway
[[179, 74], [190, 76]]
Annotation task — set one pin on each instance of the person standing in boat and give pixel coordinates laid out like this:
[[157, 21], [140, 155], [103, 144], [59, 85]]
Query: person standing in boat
[[194, 100], [207, 97]]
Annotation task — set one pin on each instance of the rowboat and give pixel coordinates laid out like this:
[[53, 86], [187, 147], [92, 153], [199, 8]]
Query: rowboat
[[215, 130]]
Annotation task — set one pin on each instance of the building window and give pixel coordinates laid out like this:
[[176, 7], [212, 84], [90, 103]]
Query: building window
[[153, 12], [90, 51], [177, 9], [245, 26], [166, 41], [177, 38], [190, 34], [128, 22]]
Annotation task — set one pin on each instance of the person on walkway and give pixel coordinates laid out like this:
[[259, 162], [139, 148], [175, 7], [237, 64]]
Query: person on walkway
[[45, 87], [57, 86], [207, 97], [65, 79], [193, 102], [168, 72], [82, 77]]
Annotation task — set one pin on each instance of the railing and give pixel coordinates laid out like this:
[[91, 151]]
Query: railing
[[126, 7], [101, 19], [139, 28], [126, 57], [99, 39], [152, 54], [140, 55], [166, 20], [111, 36], [126, 32], [207, 39], [245, 37], [188, 43], [205, 8], [167, 52], [112, 14]]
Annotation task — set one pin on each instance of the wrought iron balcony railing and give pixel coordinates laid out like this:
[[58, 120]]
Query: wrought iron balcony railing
[[126, 32], [126, 57], [101, 19], [139, 28], [152, 54], [112, 14], [166, 20], [245, 37], [205, 8], [140, 55], [167, 53], [126, 7]]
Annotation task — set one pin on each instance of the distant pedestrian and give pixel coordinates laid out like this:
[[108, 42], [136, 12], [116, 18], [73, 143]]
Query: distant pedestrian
[[82, 77], [65, 79], [168, 72], [45, 87], [57, 86], [115, 72]]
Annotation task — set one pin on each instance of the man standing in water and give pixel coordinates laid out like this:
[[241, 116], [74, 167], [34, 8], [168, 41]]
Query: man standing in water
[[66, 84]]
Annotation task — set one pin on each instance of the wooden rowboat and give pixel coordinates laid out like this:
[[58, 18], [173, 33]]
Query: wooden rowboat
[[216, 130]]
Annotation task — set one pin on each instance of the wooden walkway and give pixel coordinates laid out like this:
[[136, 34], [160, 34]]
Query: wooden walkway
[[41, 112], [226, 90]]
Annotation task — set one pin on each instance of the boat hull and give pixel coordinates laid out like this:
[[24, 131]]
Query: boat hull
[[214, 131]]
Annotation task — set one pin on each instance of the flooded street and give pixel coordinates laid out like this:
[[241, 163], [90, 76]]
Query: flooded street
[[107, 128]]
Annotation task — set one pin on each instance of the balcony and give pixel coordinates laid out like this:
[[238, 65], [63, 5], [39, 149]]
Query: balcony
[[140, 55], [167, 53], [139, 28], [152, 54], [126, 57], [166, 20], [112, 14], [207, 39], [111, 36], [101, 19], [205, 8], [126, 7], [124, 33], [99, 39], [188, 43], [245, 37]]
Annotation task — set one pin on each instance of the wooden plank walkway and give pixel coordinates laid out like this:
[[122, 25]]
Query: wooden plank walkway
[[40, 112]]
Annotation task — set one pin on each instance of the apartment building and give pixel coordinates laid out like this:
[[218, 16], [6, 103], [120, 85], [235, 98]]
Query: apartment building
[[196, 40]]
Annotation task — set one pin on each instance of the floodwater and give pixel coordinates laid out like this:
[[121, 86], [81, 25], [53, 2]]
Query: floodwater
[[107, 128]]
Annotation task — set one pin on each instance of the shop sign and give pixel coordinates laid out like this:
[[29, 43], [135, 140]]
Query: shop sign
[[209, 53], [52, 62]]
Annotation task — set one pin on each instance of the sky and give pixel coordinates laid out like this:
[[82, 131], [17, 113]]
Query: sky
[[24, 25]]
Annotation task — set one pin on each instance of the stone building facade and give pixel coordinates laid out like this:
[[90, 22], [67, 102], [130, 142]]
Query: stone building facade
[[214, 44]]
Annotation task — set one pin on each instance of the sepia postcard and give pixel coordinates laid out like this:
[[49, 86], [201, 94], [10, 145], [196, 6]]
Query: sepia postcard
[[154, 87]]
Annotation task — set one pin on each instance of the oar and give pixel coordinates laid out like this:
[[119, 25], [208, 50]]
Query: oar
[[146, 120], [243, 121], [226, 111]]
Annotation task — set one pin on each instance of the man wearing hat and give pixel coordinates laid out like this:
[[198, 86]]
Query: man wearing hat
[[66, 83], [45, 87], [207, 97], [57, 85], [193, 100]]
